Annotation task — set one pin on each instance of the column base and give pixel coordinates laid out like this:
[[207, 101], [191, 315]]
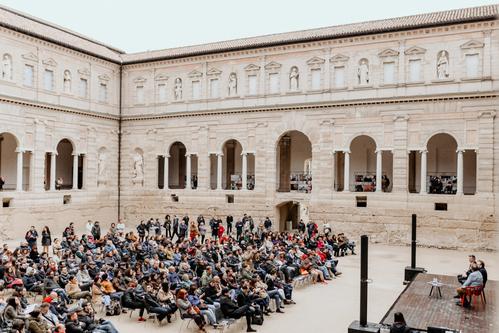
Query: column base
[[355, 327]]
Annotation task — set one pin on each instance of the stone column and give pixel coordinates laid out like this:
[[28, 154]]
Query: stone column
[[346, 172], [423, 189], [52, 170], [84, 172], [219, 171], [19, 180], [284, 164], [485, 159], [188, 172], [32, 178], [460, 172], [379, 170], [75, 171], [244, 173], [165, 171]]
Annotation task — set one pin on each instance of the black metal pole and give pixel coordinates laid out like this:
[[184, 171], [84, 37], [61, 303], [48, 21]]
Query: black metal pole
[[364, 243], [413, 243]]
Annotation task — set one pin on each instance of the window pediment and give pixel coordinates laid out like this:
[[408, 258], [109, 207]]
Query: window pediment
[[339, 58], [315, 61], [30, 56], [252, 68], [273, 66], [140, 79], [214, 72], [49, 62], [415, 50], [161, 77], [472, 44], [104, 77], [388, 53], [84, 72], [195, 74]]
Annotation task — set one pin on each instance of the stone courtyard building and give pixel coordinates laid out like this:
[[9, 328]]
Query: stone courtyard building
[[359, 125]]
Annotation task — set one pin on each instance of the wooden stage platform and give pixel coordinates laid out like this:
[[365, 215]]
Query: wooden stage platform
[[420, 310]]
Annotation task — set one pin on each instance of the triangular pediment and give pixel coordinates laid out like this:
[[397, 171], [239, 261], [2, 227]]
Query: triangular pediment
[[415, 50], [195, 73], [84, 71], [30, 56], [104, 77], [49, 62], [472, 44], [140, 79], [339, 58], [161, 77], [273, 65], [252, 67], [213, 72], [315, 61], [388, 53]]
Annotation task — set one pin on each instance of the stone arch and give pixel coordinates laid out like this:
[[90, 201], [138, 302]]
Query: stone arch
[[374, 137], [9, 150], [429, 137], [177, 161], [64, 168], [293, 148], [442, 163], [68, 138], [232, 164]]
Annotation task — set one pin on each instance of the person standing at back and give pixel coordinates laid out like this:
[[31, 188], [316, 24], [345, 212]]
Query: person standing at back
[[399, 325]]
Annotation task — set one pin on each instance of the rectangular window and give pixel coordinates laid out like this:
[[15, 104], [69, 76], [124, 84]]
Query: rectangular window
[[472, 65], [29, 72], [162, 92], [389, 72], [214, 88], [139, 95], [83, 88], [339, 77], [103, 92], [48, 79], [252, 84], [415, 70], [196, 90], [316, 79], [273, 83]]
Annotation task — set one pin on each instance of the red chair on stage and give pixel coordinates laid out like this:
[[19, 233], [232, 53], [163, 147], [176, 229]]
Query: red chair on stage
[[473, 291]]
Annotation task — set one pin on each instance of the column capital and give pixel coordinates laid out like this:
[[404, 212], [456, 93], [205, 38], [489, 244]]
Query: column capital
[[166, 155], [20, 150], [460, 150], [75, 154], [423, 151]]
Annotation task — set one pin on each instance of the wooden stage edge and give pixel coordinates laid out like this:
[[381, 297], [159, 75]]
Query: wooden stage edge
[[421, 310]]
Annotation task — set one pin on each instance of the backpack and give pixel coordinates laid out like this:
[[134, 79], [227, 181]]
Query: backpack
[[114, 308], [257, 318]]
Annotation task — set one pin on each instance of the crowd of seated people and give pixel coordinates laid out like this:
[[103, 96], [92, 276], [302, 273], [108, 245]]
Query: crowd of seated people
[[474, 277], [161, 269]]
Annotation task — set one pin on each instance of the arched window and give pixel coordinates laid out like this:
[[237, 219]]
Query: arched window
[[14, 164]]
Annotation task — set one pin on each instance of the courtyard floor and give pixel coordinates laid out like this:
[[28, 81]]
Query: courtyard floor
[[332, 307]]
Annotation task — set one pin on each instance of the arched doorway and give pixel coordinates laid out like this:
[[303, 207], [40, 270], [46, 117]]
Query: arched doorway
[[14, 164], [362, 164], [294, 162], [290, 213], [446, 169], [65, 165], [232, 165], [177, 165]]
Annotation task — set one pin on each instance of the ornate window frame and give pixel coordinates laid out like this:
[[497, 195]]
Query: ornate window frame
[[388, 56], [139, 82], [472, 47], [315, 63], [160, 80], [104, 80], [30, 59], [339, 61], [196, 76], [83, 74], [50, 64], [415, 53], [214, 74], [275, 69], [252, 70]]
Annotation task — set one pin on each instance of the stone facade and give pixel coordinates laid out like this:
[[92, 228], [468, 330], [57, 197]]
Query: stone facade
[[219, 121]]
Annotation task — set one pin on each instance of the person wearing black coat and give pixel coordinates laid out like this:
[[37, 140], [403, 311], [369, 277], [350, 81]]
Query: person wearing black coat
[[131, 301], [153, 306], [232, 310], [399, 325]]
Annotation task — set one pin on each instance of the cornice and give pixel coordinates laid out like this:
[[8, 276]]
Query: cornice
[[317, 106], [86, 113]]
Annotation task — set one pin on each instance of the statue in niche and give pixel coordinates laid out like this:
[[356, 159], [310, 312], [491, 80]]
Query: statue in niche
[[363, 72], [232, 84], [177, 89], [6, 67], [138, 168], [443, 65], [67, 81], [294, 78], [101, 168]]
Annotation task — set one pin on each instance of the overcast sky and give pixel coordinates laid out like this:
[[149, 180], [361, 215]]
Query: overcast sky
[[140, 25]]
